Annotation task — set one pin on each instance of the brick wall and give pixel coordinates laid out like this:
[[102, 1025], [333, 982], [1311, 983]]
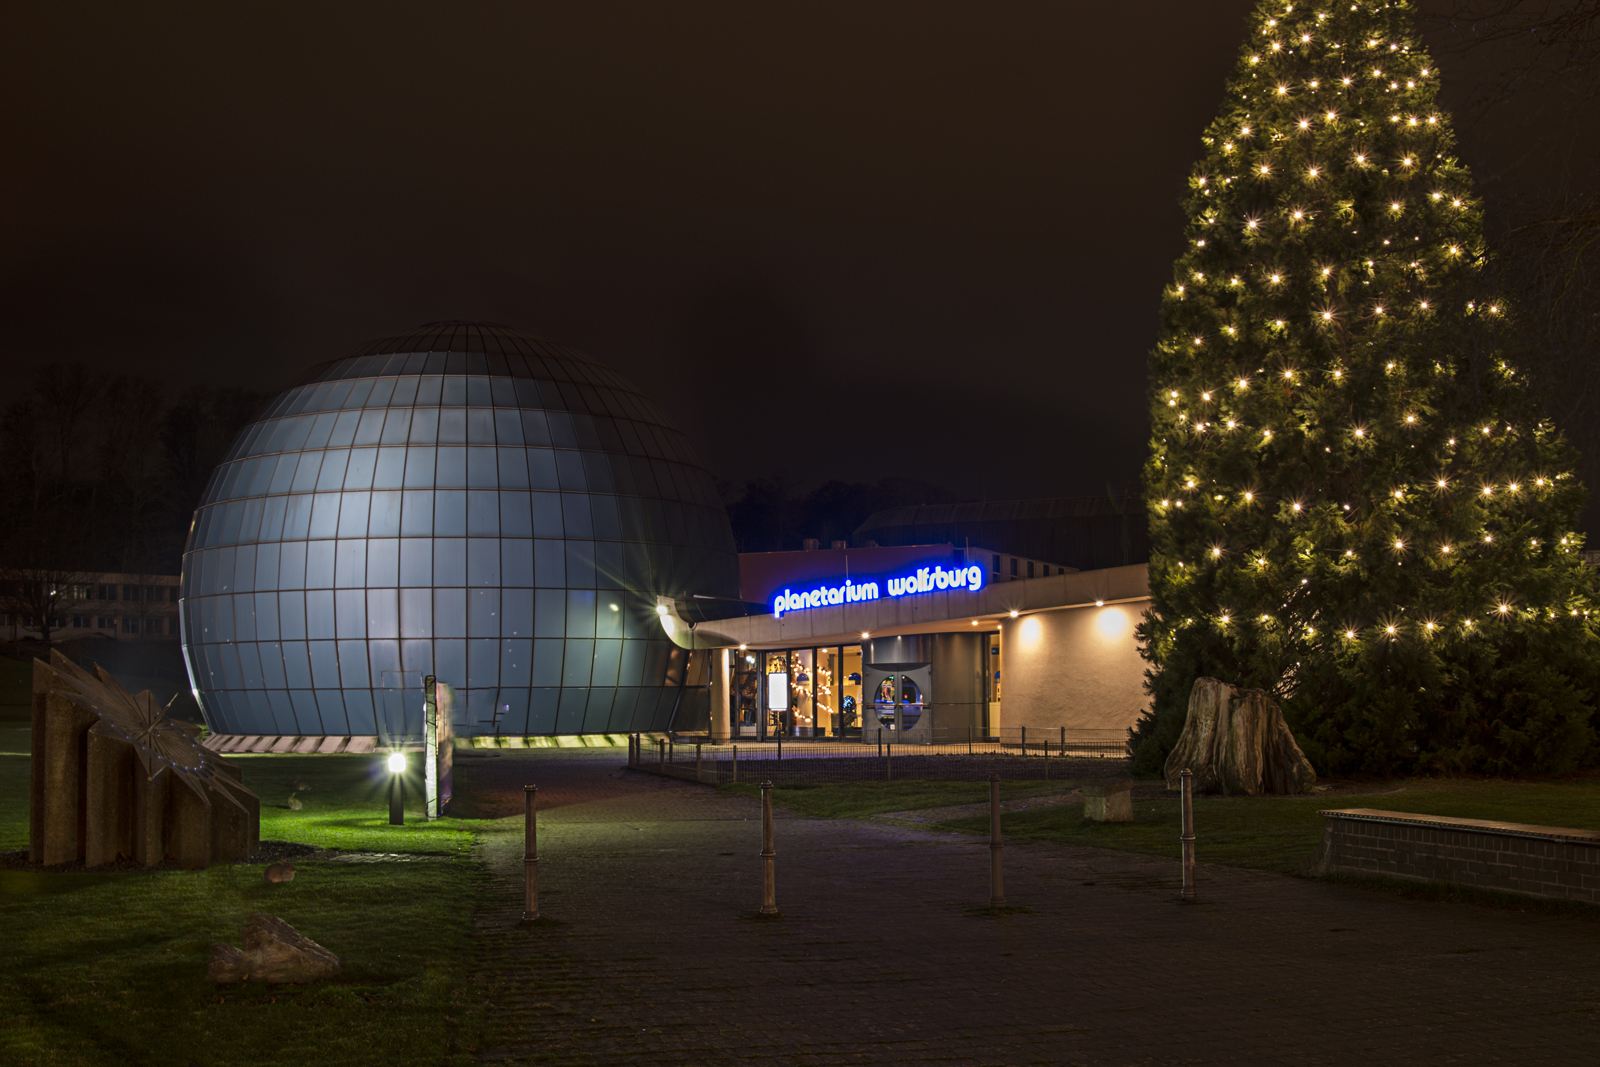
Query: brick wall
[[1542, 861]]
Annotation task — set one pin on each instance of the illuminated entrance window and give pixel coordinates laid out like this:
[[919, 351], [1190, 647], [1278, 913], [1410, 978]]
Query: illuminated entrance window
[[747, 695], [810, 694], [848, 723]]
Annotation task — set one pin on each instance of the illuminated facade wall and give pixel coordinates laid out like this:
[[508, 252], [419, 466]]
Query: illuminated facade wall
[[1075, 667], [462, 501]]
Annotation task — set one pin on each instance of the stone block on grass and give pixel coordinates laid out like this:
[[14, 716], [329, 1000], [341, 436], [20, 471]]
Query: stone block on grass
[[1108, 800], [274, 953]]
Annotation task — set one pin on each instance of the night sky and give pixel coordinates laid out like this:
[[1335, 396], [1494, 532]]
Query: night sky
[[833, 241]]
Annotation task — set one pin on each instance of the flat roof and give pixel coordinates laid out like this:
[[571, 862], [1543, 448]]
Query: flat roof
[[940, 611]]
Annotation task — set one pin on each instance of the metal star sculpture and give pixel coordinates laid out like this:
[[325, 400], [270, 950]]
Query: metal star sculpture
[[160, 744]]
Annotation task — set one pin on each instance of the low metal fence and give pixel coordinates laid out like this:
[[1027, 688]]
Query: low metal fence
[[810, 762], [1037, 740]]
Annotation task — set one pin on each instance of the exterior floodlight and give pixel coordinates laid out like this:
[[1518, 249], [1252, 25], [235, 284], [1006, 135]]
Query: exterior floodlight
[[397, 788], [1015, 613]]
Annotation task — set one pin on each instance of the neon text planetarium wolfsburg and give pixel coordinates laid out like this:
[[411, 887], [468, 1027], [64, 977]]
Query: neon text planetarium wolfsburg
[[513, 518]]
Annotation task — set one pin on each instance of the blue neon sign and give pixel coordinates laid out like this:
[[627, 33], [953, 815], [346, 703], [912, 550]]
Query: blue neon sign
[[923, 580]]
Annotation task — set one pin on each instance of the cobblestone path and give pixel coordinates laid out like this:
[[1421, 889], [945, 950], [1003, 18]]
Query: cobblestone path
[[880, 957]]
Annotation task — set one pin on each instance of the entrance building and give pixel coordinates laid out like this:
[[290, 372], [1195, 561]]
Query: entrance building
[[918, 644], [901, 685]]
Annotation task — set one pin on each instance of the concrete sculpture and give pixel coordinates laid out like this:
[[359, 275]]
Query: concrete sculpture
[[114, 778]]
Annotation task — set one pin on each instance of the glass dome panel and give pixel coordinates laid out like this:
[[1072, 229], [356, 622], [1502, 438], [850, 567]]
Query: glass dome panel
[[461, 500]]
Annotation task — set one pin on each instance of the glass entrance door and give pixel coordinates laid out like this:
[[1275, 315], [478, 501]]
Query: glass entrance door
[[897, 702]]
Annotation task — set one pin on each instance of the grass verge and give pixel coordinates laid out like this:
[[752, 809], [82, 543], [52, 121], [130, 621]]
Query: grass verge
[[109, 968], [853, 799], [1278, 833]]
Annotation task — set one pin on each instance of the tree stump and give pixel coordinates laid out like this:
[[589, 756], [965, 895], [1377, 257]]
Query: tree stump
[[1236, 742]]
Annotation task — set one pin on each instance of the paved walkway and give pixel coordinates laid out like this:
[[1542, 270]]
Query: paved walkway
[[880, 959]]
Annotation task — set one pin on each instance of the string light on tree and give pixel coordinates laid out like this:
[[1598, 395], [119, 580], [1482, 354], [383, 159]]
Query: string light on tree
[[1362, 392]]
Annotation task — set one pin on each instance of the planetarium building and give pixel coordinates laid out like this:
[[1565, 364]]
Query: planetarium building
[[461, 501]]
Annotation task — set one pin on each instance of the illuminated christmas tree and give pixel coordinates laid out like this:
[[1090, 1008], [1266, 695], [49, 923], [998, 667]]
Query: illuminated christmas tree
[[1353, 500]]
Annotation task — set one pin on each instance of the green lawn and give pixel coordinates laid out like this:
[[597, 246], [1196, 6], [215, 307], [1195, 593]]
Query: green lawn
[[1265, 833], [16, 686], [1278, 833], [13, 804], [16, 706], [110, 968]]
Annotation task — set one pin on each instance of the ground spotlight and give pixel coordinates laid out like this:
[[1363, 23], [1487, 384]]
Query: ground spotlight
[[397, 788]]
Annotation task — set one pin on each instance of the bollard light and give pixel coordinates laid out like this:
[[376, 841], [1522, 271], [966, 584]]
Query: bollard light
[[397, 788]]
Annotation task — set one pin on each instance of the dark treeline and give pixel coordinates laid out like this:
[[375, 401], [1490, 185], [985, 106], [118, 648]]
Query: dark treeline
[[102, 473], [768, 516], [1539, 60]]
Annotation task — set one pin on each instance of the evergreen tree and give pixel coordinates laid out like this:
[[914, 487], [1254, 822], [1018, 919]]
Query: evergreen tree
[[1354, 503]]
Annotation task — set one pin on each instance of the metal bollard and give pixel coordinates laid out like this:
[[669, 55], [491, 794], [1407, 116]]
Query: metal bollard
[[780, 748], [969, 740], [1186, 777], [530, 852], [769, 855], [997, 878], [735, 763], [888, 763], [697, 761], [661, 755], [672, 752]]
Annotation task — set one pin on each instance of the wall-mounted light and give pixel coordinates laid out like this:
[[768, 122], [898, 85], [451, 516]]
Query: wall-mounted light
[[1111, 624], [1015, 613]]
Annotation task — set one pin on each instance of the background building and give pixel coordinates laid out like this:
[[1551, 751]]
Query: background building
[[465, 501], [1083, 533], [122, 607]]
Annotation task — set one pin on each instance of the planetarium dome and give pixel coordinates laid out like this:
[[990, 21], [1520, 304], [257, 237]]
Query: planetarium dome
[[464, 501]]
